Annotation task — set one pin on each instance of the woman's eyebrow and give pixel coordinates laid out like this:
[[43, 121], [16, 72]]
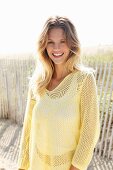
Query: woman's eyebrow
[[53, 40]]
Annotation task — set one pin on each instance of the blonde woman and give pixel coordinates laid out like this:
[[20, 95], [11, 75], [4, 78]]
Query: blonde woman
[[61, 125]]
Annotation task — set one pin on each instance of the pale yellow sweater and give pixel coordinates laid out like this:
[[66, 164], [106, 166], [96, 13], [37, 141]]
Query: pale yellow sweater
[[63, 127]]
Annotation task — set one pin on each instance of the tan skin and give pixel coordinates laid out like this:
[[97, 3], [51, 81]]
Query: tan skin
[[58, 51], [57, 45]]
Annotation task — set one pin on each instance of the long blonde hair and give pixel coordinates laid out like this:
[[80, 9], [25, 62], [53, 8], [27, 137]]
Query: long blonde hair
[[45, 66]]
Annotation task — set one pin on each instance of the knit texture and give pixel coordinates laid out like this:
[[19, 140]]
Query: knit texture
[[62, 127]]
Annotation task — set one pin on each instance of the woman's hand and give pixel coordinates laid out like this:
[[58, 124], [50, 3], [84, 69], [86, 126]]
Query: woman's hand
[[73, 168]]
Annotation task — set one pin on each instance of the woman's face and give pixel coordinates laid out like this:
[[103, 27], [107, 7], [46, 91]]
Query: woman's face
[[57, 47]]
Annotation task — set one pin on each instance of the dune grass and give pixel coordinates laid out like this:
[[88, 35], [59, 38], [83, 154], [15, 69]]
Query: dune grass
[[101, 54]]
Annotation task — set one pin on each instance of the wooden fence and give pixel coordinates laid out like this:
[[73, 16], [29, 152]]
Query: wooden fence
[[14, 80]]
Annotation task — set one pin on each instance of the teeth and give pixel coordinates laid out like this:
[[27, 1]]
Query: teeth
[[57, 54]]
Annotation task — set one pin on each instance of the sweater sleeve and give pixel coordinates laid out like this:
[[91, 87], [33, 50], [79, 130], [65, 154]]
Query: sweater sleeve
[[23, 159], [90, 123]]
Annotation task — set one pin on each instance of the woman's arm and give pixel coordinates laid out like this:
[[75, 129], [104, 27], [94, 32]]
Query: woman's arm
[[23, 159], [90, 125]]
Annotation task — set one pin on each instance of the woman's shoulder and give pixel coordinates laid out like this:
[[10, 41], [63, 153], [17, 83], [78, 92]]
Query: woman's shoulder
[[84, 71], [83, 74]]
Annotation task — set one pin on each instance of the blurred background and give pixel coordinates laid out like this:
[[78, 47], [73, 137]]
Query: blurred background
[[21, 22]]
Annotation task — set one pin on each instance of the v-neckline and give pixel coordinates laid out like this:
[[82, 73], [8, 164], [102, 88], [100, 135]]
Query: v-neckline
[[64, 79]]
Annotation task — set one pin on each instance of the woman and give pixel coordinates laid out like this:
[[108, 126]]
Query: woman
[[61, 124]]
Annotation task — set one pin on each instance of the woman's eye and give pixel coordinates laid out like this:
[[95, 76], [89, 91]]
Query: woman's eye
[[50, 42], [62, 41]]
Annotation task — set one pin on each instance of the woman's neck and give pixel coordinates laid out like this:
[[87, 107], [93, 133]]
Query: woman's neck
[[59, 73]]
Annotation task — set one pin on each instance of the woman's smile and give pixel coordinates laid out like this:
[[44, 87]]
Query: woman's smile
[[57, 55]]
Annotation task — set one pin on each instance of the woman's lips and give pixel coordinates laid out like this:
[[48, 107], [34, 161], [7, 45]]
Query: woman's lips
[[57, 55]]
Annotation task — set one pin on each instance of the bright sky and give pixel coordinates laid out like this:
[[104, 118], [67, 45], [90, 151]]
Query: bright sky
[[21, 21]]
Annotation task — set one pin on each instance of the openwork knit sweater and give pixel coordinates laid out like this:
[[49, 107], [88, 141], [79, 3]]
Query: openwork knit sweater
[[62, 128]]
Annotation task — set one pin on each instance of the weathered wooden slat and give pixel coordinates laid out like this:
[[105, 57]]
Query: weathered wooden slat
[[108, 126], [13, 87], [103, 118]]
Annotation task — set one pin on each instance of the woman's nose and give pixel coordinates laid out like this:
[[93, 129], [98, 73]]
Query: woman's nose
[[56, 46]]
